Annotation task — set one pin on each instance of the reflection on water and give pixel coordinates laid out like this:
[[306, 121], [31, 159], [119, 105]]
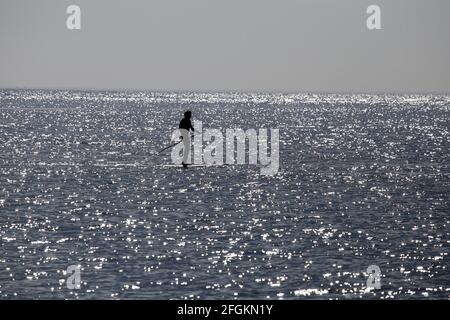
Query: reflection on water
[[363, 180]]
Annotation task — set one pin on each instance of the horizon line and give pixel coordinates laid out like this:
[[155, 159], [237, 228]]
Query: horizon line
[[243, 91]]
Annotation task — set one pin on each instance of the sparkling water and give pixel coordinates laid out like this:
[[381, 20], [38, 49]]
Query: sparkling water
[[363, 180]]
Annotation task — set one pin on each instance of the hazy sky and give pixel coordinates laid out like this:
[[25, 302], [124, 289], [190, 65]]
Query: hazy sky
[[244, 45]]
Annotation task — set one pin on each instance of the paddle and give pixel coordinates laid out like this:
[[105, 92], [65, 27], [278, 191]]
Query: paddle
[[173, 145]]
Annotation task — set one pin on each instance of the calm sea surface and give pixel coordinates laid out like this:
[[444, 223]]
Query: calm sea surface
[[363, 180]]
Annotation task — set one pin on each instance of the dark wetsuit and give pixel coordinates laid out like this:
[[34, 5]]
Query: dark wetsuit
[[185, 123]]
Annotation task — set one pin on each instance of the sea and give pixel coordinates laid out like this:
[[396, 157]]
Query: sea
[[358, 209]]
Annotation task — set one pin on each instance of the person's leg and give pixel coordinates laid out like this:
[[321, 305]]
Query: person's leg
[[186, 146]]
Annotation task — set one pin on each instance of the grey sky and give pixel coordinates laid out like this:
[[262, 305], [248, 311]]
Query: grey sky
[[244, 45]]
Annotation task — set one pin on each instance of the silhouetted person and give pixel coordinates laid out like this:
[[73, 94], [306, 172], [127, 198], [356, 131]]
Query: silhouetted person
[[185, 127]]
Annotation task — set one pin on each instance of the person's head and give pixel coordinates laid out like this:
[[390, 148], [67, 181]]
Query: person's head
[[188, 114]]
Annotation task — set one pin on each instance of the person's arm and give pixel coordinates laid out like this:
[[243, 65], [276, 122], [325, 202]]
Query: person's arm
[[180, 126], [192, 127]]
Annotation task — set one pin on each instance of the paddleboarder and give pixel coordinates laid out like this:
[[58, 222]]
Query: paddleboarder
[[185, 127]]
